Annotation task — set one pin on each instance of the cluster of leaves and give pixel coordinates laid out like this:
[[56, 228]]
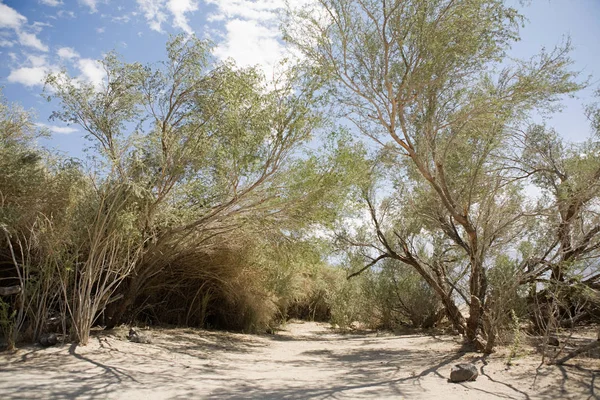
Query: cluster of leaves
[[196, 206], [390, 297], [429, 83], [205, 186]]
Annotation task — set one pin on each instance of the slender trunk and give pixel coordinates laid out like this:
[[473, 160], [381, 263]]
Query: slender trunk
[[452, 312], [115, 313], [475, 306], [477, 287], [491, 334]]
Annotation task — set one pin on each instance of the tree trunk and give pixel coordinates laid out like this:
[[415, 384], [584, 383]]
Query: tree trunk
[[115, 313], [475, 307], [453, 313], [477, 289], [9, 290]]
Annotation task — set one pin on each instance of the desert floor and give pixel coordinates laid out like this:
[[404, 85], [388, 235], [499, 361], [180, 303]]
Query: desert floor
[[303, 360]]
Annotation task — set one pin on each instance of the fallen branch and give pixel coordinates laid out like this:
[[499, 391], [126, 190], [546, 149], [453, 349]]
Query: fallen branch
[[7, 291], [578, 351]]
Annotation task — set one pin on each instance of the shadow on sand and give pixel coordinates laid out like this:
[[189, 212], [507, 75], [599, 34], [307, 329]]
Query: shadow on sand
[[181, 364]]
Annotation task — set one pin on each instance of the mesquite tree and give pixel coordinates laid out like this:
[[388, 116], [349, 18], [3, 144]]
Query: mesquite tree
[[205, 149], [561, 255], [428, 81]]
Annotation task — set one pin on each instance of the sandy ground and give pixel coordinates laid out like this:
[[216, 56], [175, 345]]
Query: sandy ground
[[304, 360]]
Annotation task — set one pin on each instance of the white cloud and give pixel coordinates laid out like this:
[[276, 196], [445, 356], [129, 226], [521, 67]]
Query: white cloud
[[36, 61], [122, 19], [67, 53], [38, 26], [252, 35], [249, 43], [10, 18], [92, 4], [252, 30], [34, 74], [63, 130], [28, 76], [30, 40], [179, 8], [155, 12], [51, 3], [100, 30], [91, 71], [65, 14], [263, 10], [6, 43], [216, 17]]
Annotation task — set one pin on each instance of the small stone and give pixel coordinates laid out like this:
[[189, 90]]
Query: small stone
[[553, 341], [137, 337], [52, 339], [49, 339], [463, 372]]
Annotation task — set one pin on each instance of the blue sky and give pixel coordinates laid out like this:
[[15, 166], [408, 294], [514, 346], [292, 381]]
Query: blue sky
[[37, 36]]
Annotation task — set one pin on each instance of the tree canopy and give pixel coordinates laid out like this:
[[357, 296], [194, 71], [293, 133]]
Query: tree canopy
[[429, 81]]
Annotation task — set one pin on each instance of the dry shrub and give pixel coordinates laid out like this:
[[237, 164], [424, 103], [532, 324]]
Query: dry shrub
[[65, 242], [347, 303], [8, 322], [408, 298], [314, 302], [298, 278], [218, 287], [106, 255], [39, 194], [387, 298], [505, 304], [247, 283]]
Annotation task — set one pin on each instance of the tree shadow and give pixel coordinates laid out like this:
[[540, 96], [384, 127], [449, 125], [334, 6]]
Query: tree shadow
[[484, 361], [63, 372], [193, 364], [363, 379]]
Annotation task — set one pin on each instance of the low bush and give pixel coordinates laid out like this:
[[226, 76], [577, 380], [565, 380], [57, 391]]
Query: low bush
[[389, 297]]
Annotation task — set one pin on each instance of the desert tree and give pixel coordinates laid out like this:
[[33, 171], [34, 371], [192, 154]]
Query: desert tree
[[567, 176], [38, 192], [561, 255], [204, 148], [559, 258], [429, 80]]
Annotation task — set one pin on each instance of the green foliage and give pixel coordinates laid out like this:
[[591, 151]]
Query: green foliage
[[211, 188], [8, 317], [205, 152], [191, 158], [348, 304], [409, 298], [429, 82], [390, 297], [507, 298], [515, 346]]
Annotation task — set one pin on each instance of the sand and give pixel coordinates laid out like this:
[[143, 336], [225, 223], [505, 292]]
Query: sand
[[303, 360]]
